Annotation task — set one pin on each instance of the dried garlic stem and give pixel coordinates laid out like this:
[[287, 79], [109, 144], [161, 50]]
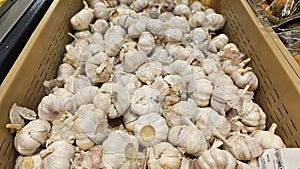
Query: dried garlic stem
[[245, 90], [18, 127], [247, 69], [74, 37], [100, 69], [272, 128], [46, 152], [219, 136], [243, 63]]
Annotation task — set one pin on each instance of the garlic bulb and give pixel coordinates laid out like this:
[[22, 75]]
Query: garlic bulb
[[31, 136], [101, 11], [99, 68], [156, 27], [268, 139], [200, 38], [215, 159], [165, 16], [113, 45], [146, 42], [188, 138], [76, 82], [182, 10], [177, 88], [220, 79], [179, 23], [149, 71], [214, 21], [91, 123], [62, 129], [116, 153], [83, 18], [28, 162], [100, 26], [145, 101], [182, 68], [123, 20], [97, 38], [57, 156], [18, 114], [113, 99], [150, 129], [85, 95], [212, 125], [52, 106], [200, 90], [129, 81], [173, 35], [244, 147], [163, 155], [139, 5], [243, 77], [161, 55], [133, 59], [224, 98], [197, 18], [76, 56], [176, 114], [65, 70], [114, 30], [88, 159], [218, 42], [85, 34], [197, 6], [209, 66], [137, 28]]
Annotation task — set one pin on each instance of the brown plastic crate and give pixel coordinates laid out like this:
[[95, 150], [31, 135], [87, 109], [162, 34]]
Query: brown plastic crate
[[278, 92]]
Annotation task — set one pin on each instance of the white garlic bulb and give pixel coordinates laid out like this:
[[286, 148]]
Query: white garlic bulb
[[173, 35], [179, 23], [219, 79], [101, 11], [178, 88], [197, 6], [146, 42], [197, 18], [114, 30], [268, 139], [161, 55], [214, 21], [137, 28], [201, 91], [215, 159], [182, 68], [149, 71], [28, 162], [113, 99], [85, 95], [88, 159], [150, 129], [145, 101], [123, 20], [97, 38], [116, 153], [213, 125], [210, 66], [31, 136], [65, 70], [163, 155], [130, 82], [200, 38], [133, 59], [188, 138], [139, 5], [178, 113], [218, 42], [57, 156], [76, 82], [244, 147], [156, 27], [52, 106], [99, 68], [75, 56], [244, 77], [182, 10], [85, 34], [113, 45], [92, 123], [83, 18], [100, 26]]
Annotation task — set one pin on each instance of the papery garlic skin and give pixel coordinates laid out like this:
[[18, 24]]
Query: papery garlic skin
[[215, 159], [17, 114], [188, 138], [150, 129], [163, 155], [57, 156], [116, 153], [52, 106], [32, 136]]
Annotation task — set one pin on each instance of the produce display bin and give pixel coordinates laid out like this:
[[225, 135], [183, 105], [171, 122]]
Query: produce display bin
[[278, 92]]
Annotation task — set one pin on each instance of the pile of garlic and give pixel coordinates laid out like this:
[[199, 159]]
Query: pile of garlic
[[146, 84]]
